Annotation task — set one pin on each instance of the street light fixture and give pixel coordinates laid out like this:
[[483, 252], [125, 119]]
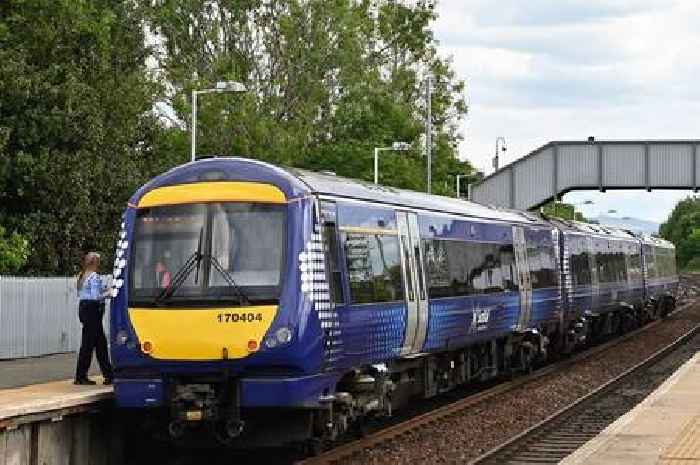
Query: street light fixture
[[396, 146], [221, 86], [503, 149], [459, 177]]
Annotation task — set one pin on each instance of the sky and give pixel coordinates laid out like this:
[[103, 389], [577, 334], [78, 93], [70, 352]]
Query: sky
[[543, 70]]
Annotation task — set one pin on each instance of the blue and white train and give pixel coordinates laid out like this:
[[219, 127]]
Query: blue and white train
[[277, 305]]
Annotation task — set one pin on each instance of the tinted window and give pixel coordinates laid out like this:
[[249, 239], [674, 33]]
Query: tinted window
[[374, 267], [542, 265], [635, 266], [454, 268], [650, 262], [330, 243], [580, 268], [611, 267]]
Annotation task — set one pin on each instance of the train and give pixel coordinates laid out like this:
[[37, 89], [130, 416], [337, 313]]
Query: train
[[264, 305]]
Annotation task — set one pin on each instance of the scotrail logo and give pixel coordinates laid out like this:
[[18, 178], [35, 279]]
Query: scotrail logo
[[480, 318]]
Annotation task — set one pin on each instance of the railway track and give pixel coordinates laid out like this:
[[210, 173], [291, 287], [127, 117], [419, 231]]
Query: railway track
[[550, 449], [564, 432]]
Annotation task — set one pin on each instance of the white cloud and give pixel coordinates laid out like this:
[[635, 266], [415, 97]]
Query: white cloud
[[547, 70]]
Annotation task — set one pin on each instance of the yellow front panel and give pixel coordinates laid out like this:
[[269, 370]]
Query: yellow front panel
[[221, 191], [202, 334]]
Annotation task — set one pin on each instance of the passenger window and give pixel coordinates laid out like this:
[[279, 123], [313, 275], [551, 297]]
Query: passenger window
[[407, 268], [419, 266], [542, 265], [374, 267], [455, 268], [580, 268], [330, 244]]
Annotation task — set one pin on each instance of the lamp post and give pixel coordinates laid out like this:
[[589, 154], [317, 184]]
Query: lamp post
[[459, 178], [503, 149], [429, 128], [396, 146], [221, 86]]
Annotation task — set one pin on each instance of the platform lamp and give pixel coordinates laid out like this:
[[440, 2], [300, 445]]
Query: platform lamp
[[221, 86], [396, 147], [503, 149], [459, 178]]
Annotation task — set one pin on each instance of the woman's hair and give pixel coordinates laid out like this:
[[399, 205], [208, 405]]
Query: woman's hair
[[90, 259]]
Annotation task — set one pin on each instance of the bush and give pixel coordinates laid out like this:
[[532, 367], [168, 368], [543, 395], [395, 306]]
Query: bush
[[14, 251]]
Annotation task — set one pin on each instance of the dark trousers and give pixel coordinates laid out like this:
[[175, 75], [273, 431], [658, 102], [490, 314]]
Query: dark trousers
[[90, 314]]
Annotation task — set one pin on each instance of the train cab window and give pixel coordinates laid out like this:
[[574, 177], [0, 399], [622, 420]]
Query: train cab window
[[241, 250], [374, 267], [330, 243]]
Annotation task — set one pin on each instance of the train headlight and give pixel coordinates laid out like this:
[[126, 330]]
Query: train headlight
[[122, 337], [283, 335], [280, 337]]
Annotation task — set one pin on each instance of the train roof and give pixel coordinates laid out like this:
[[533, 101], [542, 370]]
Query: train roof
[[338, 186], [594, 229], [657, 241], [296, 183]]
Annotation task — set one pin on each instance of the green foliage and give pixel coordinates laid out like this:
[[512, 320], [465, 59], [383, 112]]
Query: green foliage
[[564, 211], [81, 119], [14, 251], [76, 132], [327, 82], [683, 229]]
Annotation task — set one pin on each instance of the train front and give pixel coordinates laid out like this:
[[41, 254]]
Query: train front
[[208, 325]]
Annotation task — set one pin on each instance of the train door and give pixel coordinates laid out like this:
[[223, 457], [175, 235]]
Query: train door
[[524, 282], [595, 277], [414, 283], [422, 291]]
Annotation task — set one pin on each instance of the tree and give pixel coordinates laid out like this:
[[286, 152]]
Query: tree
[[14, 251], [76, 128], [683, 229], [564, 211], [328, 81]]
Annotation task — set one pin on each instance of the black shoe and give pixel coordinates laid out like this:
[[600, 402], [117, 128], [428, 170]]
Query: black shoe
[[84, 382], [107, 381]]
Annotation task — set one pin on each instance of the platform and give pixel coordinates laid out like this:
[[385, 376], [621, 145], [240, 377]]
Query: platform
[[36, 370], [49, 399], [662, 429]]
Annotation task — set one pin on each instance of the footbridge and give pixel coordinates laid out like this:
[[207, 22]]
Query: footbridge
[[562, 166]]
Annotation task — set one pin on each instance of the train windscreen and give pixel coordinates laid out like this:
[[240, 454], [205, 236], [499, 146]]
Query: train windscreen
[[204, 253]]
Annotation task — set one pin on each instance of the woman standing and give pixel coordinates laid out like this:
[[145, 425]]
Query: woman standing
[[91, 294]]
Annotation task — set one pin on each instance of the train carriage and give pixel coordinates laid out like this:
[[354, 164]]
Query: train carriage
[[246, 293]]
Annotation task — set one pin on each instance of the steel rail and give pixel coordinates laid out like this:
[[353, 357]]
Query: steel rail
[[390, 433], [512, 446]]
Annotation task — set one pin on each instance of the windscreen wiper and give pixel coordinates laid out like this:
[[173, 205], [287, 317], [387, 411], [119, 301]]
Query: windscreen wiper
[[192, 262], [244, 300]]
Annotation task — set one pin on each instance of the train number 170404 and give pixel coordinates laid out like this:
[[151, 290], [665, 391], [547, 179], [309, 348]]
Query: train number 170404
[[239, 317]]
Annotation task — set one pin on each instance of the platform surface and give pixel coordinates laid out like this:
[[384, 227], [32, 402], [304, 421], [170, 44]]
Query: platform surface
[[662, 429], [57, 395], [36, 370]]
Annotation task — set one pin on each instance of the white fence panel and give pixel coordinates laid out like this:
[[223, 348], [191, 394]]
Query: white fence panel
[[38, 316]]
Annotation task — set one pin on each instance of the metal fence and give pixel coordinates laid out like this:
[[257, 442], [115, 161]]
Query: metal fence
[[38, 316]]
